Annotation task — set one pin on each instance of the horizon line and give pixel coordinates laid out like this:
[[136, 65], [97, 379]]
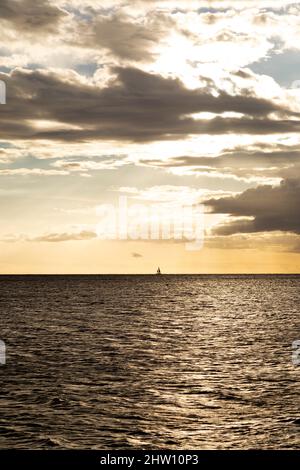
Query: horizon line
[[155, 274]]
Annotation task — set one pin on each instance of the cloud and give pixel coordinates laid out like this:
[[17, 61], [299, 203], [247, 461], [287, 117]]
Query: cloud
[[171, 195], [232, 160], [9, 154], [84, 165], [31, 16], [134, 106], [64, 237], [180, 4], [54, 237], [223, 3], [279, 161], [124, 36], [261, 209], [266, 241], [172, 3], [31, 171]]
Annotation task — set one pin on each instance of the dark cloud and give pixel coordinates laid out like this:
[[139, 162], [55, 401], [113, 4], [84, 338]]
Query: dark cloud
[[135, 106], [31, 16], [243, 74], [125, 38], [267, 208], [136, 255]]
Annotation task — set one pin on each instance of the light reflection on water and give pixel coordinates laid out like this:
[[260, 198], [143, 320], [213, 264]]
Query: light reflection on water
[[149, 362]]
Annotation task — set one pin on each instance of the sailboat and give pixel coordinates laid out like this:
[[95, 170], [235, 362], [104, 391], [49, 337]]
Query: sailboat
[[158, 271]]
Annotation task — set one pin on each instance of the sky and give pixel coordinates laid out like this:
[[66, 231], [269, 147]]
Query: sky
[[162, 104]]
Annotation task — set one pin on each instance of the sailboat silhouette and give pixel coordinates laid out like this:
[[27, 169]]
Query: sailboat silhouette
[[158, 271]]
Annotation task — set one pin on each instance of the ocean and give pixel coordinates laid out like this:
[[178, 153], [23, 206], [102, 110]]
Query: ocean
[[150, 362]]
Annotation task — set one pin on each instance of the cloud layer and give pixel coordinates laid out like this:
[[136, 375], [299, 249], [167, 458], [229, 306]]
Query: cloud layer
[[135, 106], [29, 16], [267, 209]]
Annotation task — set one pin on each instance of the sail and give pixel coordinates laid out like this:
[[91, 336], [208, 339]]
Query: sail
[[158, 271]]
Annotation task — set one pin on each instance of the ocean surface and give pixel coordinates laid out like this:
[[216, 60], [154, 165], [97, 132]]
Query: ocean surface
[[149, 362]]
